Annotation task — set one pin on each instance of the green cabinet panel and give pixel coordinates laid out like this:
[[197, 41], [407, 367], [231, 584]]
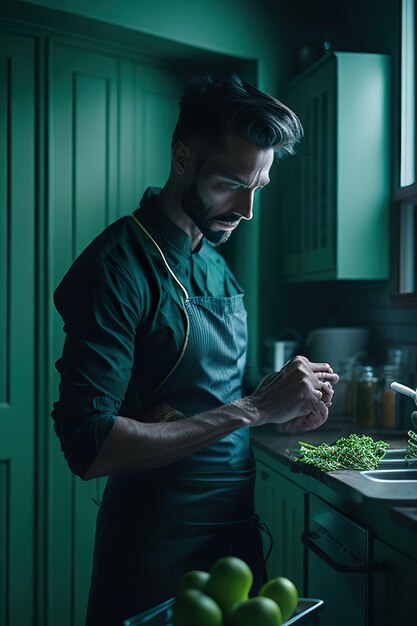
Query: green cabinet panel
[[83, 186], [17, 315], [149, 98], [156, 97], [281, 505], [335, 191], [394, 593], [307, 216]]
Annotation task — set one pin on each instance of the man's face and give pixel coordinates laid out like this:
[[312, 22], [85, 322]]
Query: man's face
[[221, 192]]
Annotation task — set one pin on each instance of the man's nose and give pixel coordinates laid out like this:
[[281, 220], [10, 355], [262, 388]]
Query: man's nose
[[245, 207]]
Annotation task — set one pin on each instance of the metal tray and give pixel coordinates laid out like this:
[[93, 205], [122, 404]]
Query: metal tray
[[307, 613]]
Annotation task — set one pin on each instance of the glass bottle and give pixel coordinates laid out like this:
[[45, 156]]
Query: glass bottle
[[365, 396], [342, 403], [387, 397]]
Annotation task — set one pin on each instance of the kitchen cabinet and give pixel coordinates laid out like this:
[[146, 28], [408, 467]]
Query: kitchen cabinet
[[394, 598], [335, 192], [338, 564], [280, 505], [365, 566]]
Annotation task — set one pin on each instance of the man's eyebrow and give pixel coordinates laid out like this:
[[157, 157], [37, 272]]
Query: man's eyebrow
[[235, 179]]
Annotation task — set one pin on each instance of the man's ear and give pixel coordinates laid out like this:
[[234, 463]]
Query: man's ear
[[180, 157]]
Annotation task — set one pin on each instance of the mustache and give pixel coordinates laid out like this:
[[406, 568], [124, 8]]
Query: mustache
[[228, 219]]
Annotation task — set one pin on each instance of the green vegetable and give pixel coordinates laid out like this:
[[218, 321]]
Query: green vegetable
[[358, 452]]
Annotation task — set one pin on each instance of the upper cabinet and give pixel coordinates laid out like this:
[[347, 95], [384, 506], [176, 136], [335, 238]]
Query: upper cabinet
[[335, 192]]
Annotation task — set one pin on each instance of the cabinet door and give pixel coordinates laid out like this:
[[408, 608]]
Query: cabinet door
[[291, 193], [394, 597], [148, 113], [281, 505], [336, 189], [17, 315], [308, 187], [318, 210], [83, 151]]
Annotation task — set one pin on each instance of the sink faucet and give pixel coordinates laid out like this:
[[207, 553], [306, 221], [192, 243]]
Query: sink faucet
[[412, 393]]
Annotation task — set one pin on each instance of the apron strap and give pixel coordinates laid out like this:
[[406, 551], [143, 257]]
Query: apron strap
[[187, 319]]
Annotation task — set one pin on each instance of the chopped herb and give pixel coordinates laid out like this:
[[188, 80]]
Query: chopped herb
[[358, 452]]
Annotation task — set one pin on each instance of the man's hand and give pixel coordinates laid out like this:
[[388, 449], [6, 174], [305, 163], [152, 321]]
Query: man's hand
[[297, 397]]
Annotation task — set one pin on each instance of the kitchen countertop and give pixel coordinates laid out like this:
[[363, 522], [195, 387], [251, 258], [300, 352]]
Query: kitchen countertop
[[406, 515], [350, 483], [390, 512]]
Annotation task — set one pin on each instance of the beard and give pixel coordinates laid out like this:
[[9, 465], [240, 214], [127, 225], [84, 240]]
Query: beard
[[202, 214]]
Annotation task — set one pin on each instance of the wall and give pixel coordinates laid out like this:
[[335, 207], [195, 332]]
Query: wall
[[236, 28]]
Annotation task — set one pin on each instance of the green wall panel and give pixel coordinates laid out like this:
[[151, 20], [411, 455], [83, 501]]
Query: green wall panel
[[17, 299], [156, 95], [4, 540], [83, 200], [90, 178], [4, 233]]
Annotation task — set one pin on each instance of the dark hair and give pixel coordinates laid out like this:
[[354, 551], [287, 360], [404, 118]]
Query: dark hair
[[209, 108]]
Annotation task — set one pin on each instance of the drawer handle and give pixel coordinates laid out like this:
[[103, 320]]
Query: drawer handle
[[308, 538]]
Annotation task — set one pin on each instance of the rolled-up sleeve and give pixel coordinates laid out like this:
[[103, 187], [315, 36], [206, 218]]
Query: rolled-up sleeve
[[100, 307]]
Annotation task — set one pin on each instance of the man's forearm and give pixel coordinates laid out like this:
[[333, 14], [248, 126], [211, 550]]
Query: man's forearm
[[295, 398], [133, 446]]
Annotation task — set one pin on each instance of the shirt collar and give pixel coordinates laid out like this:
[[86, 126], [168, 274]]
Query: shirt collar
[[162, 225]]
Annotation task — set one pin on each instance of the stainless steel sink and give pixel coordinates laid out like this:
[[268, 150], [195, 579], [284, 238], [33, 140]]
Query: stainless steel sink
[[393, 455], [395, 459], [390, 475], [394, 467]]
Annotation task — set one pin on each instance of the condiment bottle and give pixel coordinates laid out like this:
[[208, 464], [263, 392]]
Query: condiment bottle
[[387, 397], [365, 396], [343, 399]]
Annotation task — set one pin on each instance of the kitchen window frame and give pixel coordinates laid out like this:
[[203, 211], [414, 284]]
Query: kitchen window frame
[[405, 196], [405, 216]]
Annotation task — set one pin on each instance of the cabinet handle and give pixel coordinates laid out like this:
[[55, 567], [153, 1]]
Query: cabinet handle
[[308, 537]]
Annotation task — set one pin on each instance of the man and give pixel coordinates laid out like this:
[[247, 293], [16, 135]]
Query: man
[[152, 389]]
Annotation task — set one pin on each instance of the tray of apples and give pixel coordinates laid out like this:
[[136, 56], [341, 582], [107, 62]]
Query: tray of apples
[[221, 598]]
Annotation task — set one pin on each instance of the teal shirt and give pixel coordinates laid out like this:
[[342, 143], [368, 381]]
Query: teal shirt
[[124, 323]]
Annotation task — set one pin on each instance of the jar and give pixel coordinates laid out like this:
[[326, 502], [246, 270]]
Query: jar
[[365, 396], [396, 359], [387, 397], [342, 402]]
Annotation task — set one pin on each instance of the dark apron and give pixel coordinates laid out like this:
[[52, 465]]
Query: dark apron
[[154, 526]]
